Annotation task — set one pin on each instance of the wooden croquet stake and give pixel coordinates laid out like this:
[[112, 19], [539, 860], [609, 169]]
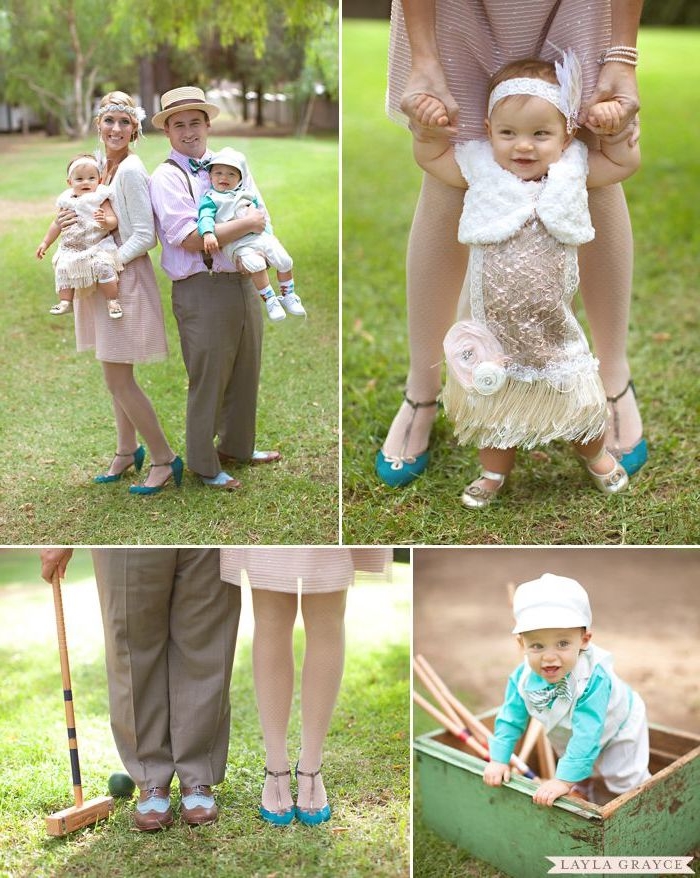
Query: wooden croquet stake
[[545, 755], [452, 727], [480, 731], [81, 813]]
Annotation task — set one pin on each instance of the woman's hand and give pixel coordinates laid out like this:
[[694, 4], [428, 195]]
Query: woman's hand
[[53, 560], [496, 773], [617, 82], [551, 790], [427, 100], [66, 217]]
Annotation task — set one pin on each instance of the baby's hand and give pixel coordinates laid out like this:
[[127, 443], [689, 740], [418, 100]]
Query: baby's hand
[[606, 117], [41, 250], [551, 790], [495, 773], [102, 220], [211, 244], [430, 112]]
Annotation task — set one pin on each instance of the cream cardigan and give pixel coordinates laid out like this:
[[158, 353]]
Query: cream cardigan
[[129, 195]]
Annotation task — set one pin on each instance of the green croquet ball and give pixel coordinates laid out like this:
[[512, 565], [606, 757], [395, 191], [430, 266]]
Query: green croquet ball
[[120, 784]]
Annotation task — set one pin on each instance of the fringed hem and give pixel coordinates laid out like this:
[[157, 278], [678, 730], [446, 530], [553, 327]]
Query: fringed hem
[[524, 414], [80, 272]]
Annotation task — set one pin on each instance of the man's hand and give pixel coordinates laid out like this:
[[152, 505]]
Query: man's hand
[[53, 560]]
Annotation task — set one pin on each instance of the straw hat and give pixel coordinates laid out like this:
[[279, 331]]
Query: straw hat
[[551, 602], [188, 97]]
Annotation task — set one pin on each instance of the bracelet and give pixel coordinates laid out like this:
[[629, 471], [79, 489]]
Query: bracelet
[[621, 55]]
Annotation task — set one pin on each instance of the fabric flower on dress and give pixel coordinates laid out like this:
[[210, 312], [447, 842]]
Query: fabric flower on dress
[[475, 357]]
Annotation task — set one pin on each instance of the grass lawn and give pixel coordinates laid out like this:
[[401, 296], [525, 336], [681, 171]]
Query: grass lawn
[[56, 418], [366, 763], [549, 499]]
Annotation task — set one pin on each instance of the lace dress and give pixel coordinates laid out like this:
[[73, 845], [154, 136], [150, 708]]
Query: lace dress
[[523, 273], [86, 252], [477, 37]]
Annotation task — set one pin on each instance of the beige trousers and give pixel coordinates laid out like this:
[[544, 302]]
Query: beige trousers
[[170, 627], [220, 324]]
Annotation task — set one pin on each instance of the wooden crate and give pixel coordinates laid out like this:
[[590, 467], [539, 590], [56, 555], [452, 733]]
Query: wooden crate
[[502, 825]]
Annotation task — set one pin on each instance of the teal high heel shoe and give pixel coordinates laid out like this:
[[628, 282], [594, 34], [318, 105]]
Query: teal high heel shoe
[[311, 816], [396, 472], [634, 458], [176, 469], [282, 816], [137, 463]]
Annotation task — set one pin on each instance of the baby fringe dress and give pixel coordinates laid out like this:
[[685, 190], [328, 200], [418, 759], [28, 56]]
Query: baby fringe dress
[[519, 369]]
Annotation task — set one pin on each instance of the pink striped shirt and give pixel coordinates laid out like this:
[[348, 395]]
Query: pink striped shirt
[[176, 217]]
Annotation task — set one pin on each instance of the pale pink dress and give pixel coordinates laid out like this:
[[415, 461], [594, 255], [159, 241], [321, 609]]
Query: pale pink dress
[[317, 568], [475, 39], [139, 336]]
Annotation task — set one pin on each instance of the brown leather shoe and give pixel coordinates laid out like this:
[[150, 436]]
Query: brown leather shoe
[[198, 806], [155, 812], [256, 458]]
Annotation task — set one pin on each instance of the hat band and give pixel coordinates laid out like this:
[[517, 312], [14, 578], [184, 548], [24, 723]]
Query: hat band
[[184, 101]]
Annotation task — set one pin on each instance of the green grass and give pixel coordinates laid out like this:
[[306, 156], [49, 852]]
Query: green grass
[[366, 762], [56, 418], [549, 499]]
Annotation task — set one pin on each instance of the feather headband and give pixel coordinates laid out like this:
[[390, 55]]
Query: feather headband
[[566, 96]]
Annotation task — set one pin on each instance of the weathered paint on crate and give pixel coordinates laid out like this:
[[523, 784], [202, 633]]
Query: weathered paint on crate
[[502, 826]]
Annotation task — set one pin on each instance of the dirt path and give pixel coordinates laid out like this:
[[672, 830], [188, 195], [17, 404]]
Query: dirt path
[[646, 611]]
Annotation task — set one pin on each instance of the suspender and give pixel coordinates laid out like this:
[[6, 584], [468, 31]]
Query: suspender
[[206, 258]]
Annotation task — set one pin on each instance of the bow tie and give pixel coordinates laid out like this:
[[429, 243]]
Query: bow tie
[[542, 698], [196, 166]]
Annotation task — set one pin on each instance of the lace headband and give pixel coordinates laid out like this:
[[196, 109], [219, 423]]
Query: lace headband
[[566, 96], [83, 160], [138, 113]]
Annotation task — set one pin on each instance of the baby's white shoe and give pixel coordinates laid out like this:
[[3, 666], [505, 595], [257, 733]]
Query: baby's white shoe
[[274, 310], [114, 309], [292, 304]]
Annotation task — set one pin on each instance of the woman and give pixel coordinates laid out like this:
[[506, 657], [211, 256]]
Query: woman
[[449, 50], [324, 575], [139, 336]]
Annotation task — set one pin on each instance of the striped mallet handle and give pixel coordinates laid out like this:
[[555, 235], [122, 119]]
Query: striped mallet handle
[[452, 727], [481, 731], [67, 691], [435, 691]]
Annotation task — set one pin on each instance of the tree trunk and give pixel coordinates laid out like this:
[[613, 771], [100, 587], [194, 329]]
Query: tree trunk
[[259, 115], [147, 88], [244, 99]]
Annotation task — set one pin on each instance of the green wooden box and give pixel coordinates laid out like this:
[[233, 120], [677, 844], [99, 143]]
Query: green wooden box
[[502, 825]]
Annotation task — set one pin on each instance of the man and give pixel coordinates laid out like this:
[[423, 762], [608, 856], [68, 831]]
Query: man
[[170, 627], [217, 308]]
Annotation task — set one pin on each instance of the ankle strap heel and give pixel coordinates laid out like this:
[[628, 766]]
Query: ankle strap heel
[[282, 816], [311, 816], [398, 471]]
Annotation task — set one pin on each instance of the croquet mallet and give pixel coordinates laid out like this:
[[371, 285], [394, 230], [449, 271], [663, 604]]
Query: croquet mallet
[[482, 733], [82, 813]]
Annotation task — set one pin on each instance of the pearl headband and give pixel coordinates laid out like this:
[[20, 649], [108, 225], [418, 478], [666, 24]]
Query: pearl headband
[[566, 96], [83, 160], [138, 113]]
